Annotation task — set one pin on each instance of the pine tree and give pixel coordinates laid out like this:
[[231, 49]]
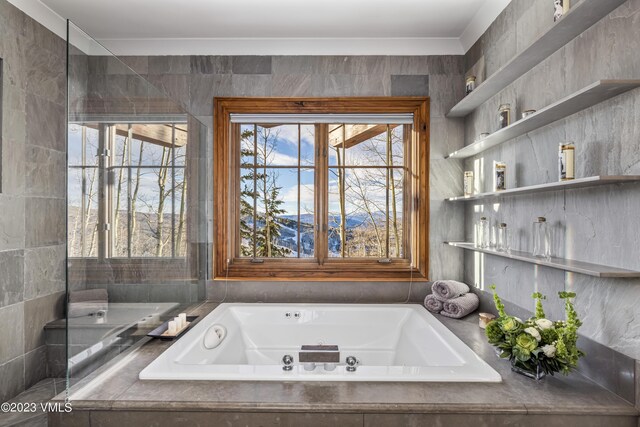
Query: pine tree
[[256, 183]]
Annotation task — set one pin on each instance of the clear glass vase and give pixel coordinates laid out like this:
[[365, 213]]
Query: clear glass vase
[[536, 374]]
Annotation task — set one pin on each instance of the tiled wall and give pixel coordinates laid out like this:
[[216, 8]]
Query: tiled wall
[[32, 205], [196, 80], [598, 225]]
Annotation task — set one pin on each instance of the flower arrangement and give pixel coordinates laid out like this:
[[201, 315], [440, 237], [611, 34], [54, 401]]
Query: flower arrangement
[[537, 346]]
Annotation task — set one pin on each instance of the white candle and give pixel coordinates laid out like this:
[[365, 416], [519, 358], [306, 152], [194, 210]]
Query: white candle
[[173, 328], [183, 319], [178, 321]]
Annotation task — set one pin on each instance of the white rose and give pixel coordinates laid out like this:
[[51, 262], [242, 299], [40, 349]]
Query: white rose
[[549, 350], [534, 333], [544, 323]]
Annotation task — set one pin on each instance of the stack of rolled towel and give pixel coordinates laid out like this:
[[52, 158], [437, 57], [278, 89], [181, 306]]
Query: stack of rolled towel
[[451, 299], [85, 303]]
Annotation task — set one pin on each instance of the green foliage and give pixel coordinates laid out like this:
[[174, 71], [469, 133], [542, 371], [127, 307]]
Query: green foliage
[[498, 302], [556, 350], [494, 333], [539, 310], [257, 184]]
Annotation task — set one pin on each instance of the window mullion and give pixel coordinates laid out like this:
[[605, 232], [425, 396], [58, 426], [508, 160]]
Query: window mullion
[[299, 184], [321, 182]]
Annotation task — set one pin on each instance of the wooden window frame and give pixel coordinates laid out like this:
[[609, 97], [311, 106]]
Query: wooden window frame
[[225, 193]]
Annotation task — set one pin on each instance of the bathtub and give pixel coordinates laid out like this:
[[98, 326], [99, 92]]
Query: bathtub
[[385, 342]]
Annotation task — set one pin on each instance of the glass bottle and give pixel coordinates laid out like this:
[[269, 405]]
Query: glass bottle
[[484, 233], [541, 238], [470, 84], [502, 244], [504, 116]]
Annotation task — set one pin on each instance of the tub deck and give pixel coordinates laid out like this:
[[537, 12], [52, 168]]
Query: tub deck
[[115, 396]]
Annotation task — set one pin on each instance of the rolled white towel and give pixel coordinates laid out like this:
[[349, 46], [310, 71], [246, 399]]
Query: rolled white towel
[[461, 306], [433, 304], [448, 289]]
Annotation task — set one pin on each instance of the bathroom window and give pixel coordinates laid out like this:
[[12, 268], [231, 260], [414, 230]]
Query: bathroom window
[[127, 190], [321, 188]]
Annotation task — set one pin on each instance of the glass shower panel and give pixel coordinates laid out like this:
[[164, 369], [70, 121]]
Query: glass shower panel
[[136, 203]]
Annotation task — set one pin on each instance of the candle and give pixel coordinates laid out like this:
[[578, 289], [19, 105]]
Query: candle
[[183, 319], [485, 318], [173, 328], [178, 321]]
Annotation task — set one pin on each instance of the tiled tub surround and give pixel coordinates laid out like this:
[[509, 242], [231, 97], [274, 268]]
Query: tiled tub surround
[[32, 269], [114, 396], [598, 225]]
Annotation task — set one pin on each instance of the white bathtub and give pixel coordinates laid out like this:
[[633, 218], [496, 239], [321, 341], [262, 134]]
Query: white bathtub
[[391, 343]]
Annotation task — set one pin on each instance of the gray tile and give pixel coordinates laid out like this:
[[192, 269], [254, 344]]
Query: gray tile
[[37, 313], [204, 88], [178, 418], [45, 73], [409, 85], [210, 64], [139, 64], [13, 177], [42, 170], [445, 92], [12, 374], [35, 366], [291, 85], [57, 360], [251, 84], [44, 271], [69, 419], [11, 222], [169, 65], [12, 277], [12, 335], [251, 64], [174, 86], [44, 222], [48, 130], [180, 292]]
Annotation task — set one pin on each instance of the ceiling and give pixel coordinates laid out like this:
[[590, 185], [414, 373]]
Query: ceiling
[[267, 26]]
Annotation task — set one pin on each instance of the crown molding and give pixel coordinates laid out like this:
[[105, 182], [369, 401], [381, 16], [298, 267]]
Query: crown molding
[[270, 46], [286, 46]]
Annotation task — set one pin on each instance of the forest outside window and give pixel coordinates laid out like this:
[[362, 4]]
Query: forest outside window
[[127, 190], [320, 188]]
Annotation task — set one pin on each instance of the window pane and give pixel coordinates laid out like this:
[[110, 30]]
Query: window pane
[[149, 152], [151, 212], [307, 216], [83, 212], [307, 145], [247, 149], [247, 200], [180, 216], [358, 214], [366, 145], [119, 217], [277, 145], [396, 215]]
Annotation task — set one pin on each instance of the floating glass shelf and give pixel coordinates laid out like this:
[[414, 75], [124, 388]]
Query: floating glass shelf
[[580, 267], [591, 181]]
